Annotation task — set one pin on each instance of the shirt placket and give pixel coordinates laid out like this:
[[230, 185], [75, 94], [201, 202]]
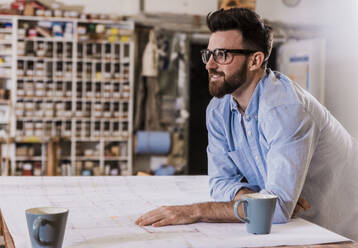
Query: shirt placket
[[250, 123], [236, 128]]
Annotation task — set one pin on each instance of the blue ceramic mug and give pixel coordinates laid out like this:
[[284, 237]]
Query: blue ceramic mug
[[259, 209], [46, 226]]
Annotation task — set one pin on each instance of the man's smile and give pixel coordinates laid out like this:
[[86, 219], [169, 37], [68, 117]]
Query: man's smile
[[215, 75]]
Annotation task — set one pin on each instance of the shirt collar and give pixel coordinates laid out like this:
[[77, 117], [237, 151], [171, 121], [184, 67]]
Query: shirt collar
[[253, 106]]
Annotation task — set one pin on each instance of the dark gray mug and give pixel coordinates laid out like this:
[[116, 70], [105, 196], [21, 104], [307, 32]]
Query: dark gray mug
[[259, 209], [46, 226]]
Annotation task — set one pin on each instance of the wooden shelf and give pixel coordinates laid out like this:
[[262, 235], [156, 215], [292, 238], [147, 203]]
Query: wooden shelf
[[46, 59], [30, 139], [85, 158], [44, 39], [28, 158], [115, 158], [64, 87]]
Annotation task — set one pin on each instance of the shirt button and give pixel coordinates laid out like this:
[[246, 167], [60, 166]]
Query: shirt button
[[247, 117], [257, 158], [249, 133]]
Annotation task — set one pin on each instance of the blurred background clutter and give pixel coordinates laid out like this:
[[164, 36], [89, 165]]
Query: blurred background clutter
[[120, 89]]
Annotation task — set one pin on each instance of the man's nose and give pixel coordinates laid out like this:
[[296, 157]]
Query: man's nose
[[211, 63]]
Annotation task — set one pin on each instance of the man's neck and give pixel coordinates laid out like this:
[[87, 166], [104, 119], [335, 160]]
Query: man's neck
[[243, 94]]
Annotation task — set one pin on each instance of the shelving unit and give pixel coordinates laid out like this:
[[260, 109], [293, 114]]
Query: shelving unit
[[71, 81], [6, 65]]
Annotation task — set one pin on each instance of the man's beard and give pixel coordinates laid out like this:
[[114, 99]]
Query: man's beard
[[223, 86]]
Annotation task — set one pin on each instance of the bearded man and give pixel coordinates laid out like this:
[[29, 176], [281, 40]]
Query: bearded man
[[267, 134]]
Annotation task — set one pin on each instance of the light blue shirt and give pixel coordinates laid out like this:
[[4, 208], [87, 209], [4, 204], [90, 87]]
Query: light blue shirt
[[284, 138]]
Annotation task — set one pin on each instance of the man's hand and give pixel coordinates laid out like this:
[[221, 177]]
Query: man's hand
[[238, 196], [169, 215], [302, 204], [243, 191], [218, 212], [187, 214]]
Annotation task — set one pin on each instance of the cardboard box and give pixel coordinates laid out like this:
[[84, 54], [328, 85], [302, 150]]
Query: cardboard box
[[227, 4]]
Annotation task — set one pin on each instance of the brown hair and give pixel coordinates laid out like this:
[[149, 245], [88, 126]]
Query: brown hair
[[256, 35]]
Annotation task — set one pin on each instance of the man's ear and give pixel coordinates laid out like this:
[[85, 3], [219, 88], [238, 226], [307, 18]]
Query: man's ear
[[256, 60]]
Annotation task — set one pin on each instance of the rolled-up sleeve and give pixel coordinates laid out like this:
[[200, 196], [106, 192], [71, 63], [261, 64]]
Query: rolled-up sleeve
[[292, 134], [225, 177]]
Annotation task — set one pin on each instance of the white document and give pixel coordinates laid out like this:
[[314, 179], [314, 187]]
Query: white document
[[102, 211]]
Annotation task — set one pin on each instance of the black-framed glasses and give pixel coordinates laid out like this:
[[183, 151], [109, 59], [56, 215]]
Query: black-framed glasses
[[223, 56]]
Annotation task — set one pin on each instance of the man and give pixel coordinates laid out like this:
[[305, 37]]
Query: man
[[266, 134]]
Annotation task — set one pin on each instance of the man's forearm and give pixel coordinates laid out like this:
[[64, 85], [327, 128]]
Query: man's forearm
[[220, 211], [216, 212], [186, 214]]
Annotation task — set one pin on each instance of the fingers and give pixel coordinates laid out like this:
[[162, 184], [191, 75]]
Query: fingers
[[149, 218], [163, 222], [303, 203], [168, 215], [162, 216], [145, 221], [297, 209]]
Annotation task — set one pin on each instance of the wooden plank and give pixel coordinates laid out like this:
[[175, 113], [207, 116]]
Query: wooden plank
[[52, 158], [9, 242], [50, 165]]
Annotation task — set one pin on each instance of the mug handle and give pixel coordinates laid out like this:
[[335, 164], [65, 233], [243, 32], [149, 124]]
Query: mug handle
[[38, 222], [236, 206]]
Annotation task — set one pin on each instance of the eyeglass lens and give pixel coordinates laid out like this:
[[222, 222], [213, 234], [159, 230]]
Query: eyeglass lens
[[219, 56]]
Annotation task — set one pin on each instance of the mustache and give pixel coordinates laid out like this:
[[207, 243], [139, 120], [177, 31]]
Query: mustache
[[214, 72]]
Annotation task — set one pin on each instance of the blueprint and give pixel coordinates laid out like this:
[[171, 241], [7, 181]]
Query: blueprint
[[102, 211]]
